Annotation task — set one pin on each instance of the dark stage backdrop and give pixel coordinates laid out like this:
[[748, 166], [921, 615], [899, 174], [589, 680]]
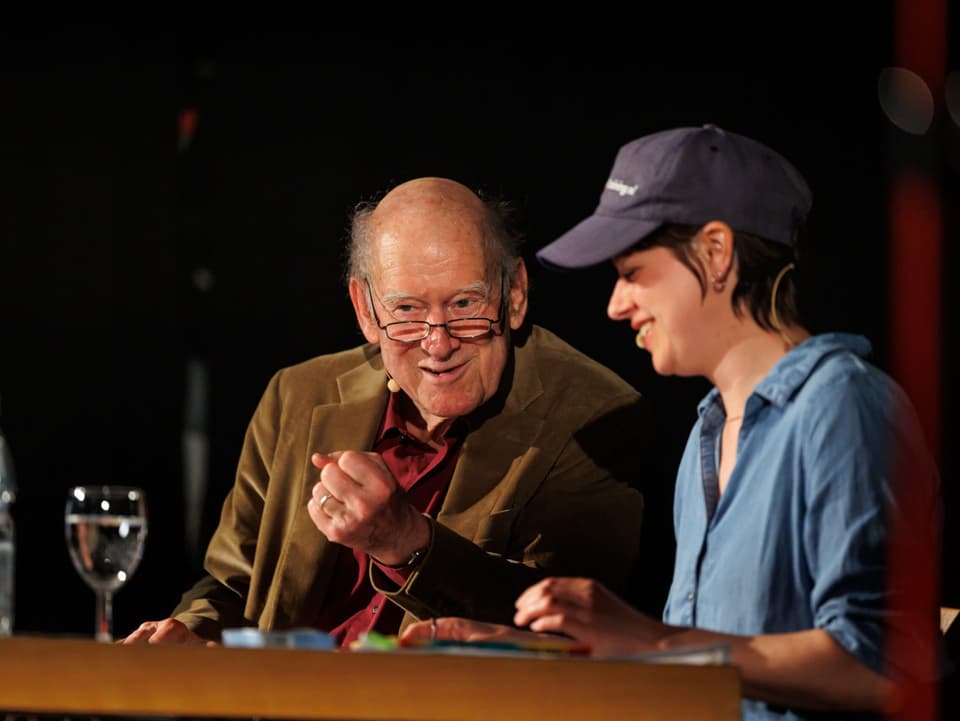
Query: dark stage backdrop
[[154, 272]]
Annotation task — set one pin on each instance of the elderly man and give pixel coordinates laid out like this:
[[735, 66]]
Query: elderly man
[[439, 469]]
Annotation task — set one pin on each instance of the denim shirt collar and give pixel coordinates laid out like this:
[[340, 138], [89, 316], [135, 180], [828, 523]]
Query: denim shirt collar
[[788, 375]]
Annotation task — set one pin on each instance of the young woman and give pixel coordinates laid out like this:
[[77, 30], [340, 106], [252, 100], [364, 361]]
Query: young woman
[[787, 488]]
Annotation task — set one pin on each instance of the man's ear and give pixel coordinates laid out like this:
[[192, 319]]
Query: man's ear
[[716, 251], [517, 306], [361, 307]]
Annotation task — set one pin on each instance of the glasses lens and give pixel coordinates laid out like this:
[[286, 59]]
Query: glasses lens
[[468, 327], [407, 331]]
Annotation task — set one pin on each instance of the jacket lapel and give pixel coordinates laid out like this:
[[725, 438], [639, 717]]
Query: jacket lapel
[[487, 481], [308, 559], [493, 477]]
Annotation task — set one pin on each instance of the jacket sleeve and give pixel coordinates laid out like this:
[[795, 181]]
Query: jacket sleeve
[[583, 517]]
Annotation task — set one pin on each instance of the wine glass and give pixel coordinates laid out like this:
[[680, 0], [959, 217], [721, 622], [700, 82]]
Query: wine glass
[[106, 527]]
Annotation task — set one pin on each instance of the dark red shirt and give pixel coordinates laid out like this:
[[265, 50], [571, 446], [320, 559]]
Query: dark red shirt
[[352, 606]]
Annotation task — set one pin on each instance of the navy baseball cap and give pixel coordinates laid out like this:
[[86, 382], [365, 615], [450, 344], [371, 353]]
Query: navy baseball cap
[[687, 176]]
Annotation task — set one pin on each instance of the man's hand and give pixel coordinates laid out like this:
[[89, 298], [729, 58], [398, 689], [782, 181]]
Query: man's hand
[[358, 503], [463, 629], [165, 631]]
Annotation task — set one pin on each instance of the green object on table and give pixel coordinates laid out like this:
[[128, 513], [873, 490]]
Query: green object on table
[[373, 641]]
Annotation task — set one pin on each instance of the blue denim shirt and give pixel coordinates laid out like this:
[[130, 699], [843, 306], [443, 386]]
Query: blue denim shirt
[[797, 540]]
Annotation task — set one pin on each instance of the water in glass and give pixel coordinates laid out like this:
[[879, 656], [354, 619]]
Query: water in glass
[[106, 527]]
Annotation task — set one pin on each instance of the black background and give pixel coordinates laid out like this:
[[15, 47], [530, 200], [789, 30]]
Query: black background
[[106, 222]]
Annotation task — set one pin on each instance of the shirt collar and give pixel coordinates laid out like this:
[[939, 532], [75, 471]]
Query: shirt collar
[[792, 371], [393, 422]]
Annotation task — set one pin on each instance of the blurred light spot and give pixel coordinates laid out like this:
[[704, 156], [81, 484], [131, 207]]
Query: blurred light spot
[[953, 96], [206, 69], [202, 279], [906, 100], [187, 122]]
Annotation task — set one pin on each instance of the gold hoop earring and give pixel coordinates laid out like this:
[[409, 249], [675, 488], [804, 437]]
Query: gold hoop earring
[[774, 318]]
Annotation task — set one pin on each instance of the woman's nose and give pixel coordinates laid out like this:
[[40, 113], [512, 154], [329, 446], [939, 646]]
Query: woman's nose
[[619, 305]]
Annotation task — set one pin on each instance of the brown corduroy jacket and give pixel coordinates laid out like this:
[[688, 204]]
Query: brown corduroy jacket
[[539, 488]]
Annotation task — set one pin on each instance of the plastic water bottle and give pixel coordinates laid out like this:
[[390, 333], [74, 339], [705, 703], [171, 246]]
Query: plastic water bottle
[[7, 496]]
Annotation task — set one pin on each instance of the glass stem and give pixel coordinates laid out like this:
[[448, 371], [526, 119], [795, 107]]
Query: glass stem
[[104, 616]]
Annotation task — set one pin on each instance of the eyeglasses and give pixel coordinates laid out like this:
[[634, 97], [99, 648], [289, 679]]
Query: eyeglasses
[[414, 331]]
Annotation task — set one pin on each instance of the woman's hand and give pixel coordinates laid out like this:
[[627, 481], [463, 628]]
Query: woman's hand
[[585, 610]]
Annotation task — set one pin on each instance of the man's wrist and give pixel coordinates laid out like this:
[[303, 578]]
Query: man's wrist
[[417, 555], [414, 559]]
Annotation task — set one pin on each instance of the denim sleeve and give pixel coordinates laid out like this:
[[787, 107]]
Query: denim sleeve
[[855, 437]]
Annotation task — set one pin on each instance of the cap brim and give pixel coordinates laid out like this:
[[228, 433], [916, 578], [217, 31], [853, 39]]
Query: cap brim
[[594, 240]]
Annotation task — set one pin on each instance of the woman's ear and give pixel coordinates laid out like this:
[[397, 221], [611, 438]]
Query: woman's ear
[[716, 252]]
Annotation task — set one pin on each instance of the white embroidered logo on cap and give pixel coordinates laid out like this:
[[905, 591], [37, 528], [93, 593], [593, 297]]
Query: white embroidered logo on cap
[[620, 187]]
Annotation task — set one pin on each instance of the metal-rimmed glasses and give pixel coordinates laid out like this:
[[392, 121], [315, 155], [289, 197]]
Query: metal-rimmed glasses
[[414, 331]]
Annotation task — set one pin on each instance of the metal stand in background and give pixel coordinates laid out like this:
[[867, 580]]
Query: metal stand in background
[[197, 281]]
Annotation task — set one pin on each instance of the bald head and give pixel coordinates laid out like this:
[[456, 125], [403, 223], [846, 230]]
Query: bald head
[[426, 206], [429, 195]]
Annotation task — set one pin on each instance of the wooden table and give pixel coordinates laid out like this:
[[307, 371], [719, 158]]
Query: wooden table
[[80, 677]]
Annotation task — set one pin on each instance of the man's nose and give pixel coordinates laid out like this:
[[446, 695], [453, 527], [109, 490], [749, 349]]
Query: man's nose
[[439, 342]]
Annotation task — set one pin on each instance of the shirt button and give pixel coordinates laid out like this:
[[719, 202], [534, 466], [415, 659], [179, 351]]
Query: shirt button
[[690, 596]]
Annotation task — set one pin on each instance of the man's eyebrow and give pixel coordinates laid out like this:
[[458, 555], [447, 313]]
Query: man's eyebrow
[[396, 296]]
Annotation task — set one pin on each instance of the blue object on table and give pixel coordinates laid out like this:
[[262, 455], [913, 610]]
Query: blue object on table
[[293, 638]]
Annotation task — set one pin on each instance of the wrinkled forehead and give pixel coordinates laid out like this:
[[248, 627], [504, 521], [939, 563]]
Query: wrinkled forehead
[[434, 245], [427, 262], [474, 292]]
